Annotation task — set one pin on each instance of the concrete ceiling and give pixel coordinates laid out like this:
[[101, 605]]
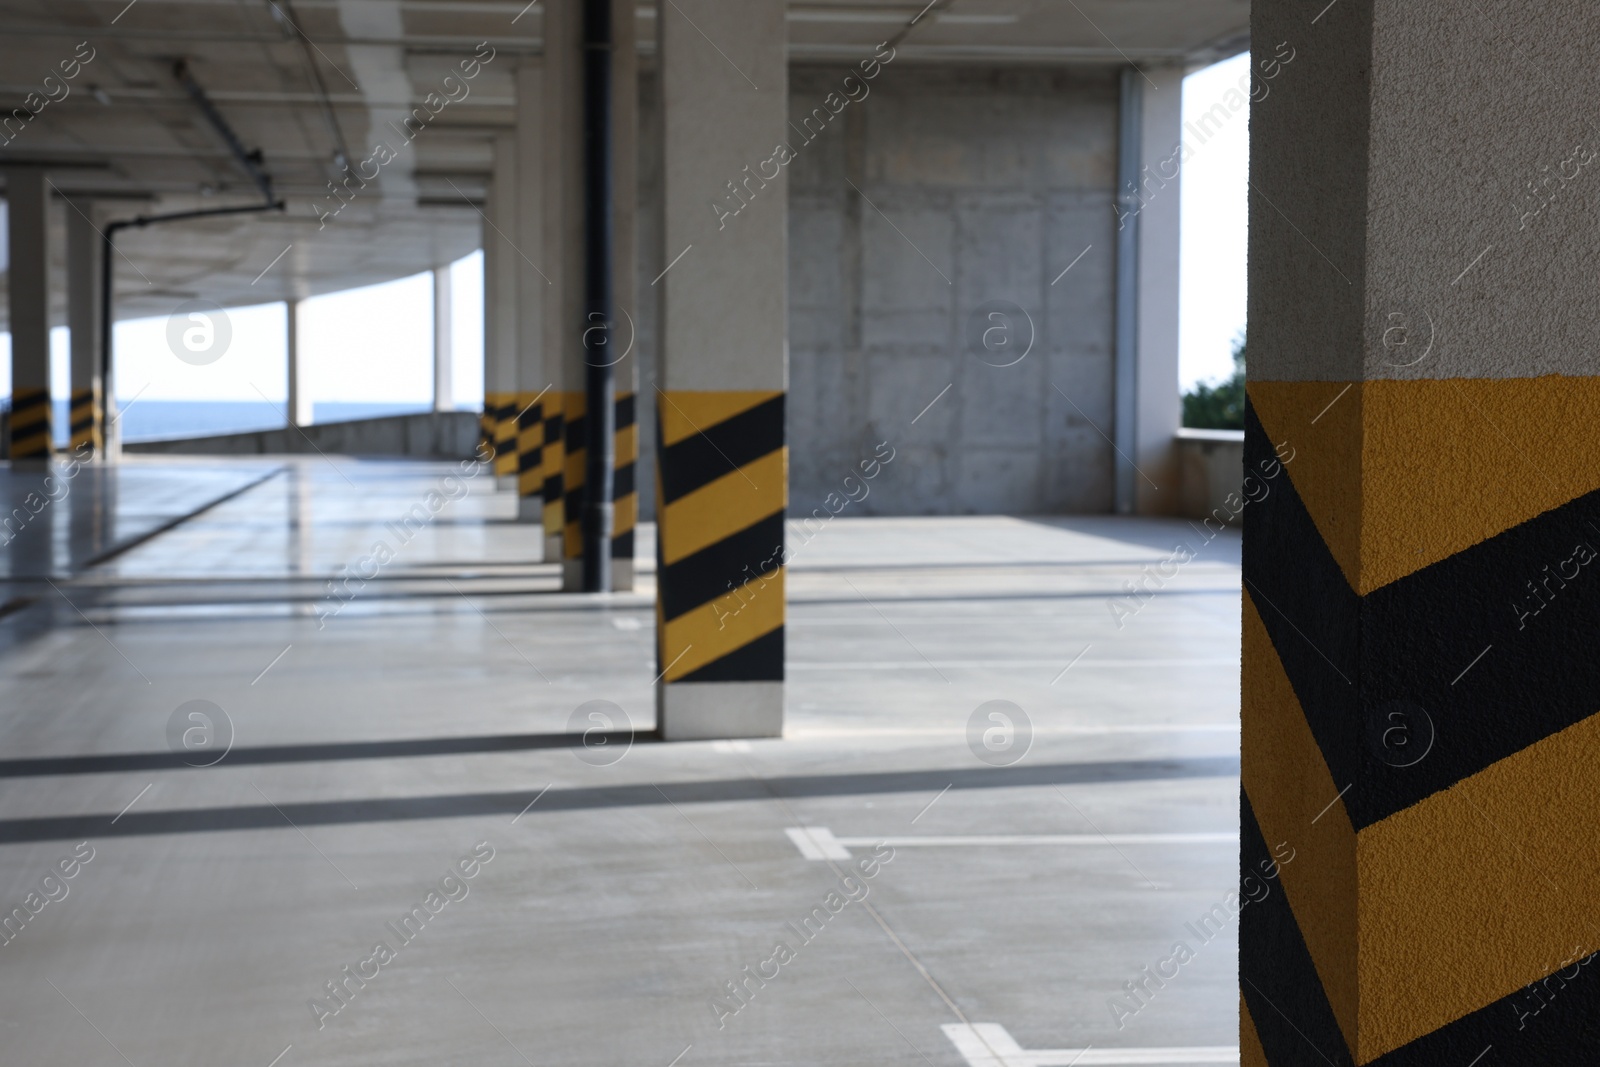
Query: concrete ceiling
[[310, 82]]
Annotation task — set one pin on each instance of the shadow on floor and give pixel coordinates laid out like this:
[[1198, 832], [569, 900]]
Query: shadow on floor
[[722, 790], [349, 750]]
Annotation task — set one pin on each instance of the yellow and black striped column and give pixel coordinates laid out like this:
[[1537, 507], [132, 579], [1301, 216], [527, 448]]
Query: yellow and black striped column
[[625, 494], [530, 458], [486, 421], [84, 422], [554, 470], [505, 436], [1421, 561], [573, 405], [722, 491], [31, 438]]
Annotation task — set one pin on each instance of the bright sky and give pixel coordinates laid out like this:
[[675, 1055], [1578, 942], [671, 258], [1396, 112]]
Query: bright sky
[[1215, 225]]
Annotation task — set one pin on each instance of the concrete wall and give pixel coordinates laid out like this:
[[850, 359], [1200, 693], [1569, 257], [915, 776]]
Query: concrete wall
[[974, 186], [1000, 179]]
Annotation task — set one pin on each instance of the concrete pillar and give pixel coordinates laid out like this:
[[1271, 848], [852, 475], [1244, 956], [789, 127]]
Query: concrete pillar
[[534, 384], [490, 415], [84, 250], [1160, 403], [500, 277], [563, 233], [563, 177], [724, 369], [443, 341], [1149, 407], [299, 407], [1421, 537], [625, 284], [27, 201]]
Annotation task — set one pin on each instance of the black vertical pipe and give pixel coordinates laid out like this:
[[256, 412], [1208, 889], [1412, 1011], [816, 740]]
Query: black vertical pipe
[[108, 241], [600, 416]]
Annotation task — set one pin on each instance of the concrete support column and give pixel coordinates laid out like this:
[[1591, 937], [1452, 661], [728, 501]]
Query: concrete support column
[[534, 383], [443, 341], [724, 369], [500, 283], [1159, 404], [27, 201], [490, 415], [563, 235], [1149, 408], [625, 283], [299, 407], [84, 250], [1422, 538], [563, 257]]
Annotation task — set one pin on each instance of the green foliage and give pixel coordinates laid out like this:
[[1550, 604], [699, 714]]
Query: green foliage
[[1220, 406]]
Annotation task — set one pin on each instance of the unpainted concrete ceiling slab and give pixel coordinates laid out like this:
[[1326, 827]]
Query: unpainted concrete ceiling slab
[[317, 84]]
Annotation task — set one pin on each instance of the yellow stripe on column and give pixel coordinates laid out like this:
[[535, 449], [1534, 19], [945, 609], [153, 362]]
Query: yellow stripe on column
[[717, 628], [626, 515], [1478, 890], [1251, 1054], [555, 452], [530, 446], [686, 413], [84, 420], [725, 506], [626, 505], [1287, 780], [505, 435], [1392, 472]]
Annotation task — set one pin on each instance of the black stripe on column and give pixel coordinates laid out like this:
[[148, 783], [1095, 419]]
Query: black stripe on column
[[717, 450], [719, 568], [1277, 979]]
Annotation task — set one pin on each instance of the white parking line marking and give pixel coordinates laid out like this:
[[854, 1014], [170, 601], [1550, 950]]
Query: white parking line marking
[[819, 842], [988, 1045]]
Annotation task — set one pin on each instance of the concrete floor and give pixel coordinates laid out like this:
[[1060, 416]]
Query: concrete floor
[[431, 715]]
